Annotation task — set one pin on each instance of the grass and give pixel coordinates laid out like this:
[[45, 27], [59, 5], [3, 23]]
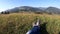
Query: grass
[[20, 23]]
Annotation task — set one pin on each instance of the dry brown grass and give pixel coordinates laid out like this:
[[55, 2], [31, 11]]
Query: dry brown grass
[[20, 23]]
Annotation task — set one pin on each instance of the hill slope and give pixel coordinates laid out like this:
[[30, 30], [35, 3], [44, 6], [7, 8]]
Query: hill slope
[[51, 10]]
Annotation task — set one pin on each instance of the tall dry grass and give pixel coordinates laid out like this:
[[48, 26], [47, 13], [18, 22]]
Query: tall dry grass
[[20, 23]]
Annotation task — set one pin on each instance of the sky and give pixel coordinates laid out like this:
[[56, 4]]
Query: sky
[[9, 4]]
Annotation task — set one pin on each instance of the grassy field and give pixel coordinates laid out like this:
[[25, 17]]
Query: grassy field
[[20, 23]]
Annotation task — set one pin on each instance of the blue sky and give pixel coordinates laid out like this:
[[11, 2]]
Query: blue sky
[[8, 4]]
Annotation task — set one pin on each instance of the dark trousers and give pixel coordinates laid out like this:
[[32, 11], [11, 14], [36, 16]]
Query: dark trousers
[[35, 30]]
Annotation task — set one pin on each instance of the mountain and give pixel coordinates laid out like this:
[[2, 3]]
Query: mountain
[[16, 9], [52, 10], [29, 9], [24, 8], [49, 10], [42, 8]]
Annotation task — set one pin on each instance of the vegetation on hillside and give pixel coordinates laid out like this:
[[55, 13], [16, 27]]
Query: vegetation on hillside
[[48, 10]]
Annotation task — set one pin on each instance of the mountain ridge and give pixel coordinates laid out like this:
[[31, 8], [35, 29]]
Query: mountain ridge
[[51, 10]]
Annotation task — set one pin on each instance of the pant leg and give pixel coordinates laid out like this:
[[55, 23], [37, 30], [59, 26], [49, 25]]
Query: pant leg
[[35, 30]]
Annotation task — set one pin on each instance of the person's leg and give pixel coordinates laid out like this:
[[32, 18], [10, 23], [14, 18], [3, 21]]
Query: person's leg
[[35, 29]]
